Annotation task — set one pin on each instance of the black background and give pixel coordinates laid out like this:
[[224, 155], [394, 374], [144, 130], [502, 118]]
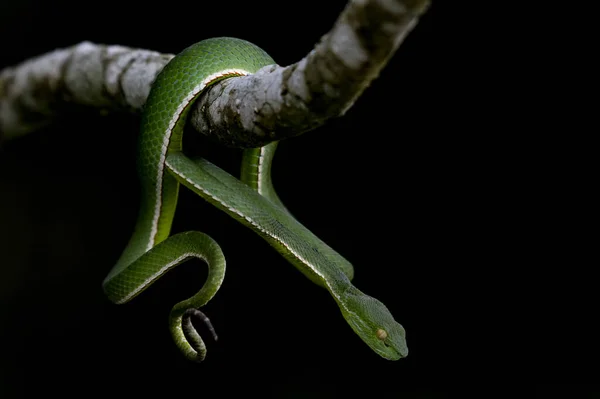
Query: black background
[[398, 186]]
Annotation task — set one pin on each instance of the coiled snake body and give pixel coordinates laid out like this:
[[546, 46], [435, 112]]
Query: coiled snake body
[[162, 167]]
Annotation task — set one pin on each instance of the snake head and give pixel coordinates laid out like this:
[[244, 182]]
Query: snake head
[[372, 321]]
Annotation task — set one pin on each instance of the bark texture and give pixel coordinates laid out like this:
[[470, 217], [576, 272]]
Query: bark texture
[[273, 104]]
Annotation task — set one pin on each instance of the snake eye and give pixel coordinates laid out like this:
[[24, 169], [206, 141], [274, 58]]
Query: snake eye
[[381, 334]]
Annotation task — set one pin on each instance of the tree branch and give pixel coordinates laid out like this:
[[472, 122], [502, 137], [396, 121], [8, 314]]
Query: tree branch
[[273, 104]]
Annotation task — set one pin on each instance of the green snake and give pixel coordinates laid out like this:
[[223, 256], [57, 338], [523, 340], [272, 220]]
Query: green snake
[[252, 200]]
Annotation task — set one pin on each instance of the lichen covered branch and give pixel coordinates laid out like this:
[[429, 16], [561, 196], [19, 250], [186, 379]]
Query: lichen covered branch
[[273, 104]]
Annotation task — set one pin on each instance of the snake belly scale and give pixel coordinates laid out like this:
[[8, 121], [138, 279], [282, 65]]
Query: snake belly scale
[[252, 200]]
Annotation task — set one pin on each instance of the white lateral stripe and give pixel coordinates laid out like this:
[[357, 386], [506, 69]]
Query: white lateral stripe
[[167, 138], [155, 276], [252, 222], [261, 158]]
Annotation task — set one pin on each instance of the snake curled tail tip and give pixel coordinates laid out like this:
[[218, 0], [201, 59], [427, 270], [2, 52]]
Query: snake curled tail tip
[[194, 348], [188, 327]]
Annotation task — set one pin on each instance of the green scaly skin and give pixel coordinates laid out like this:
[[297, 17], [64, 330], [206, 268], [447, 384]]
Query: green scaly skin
[[252, 201]]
